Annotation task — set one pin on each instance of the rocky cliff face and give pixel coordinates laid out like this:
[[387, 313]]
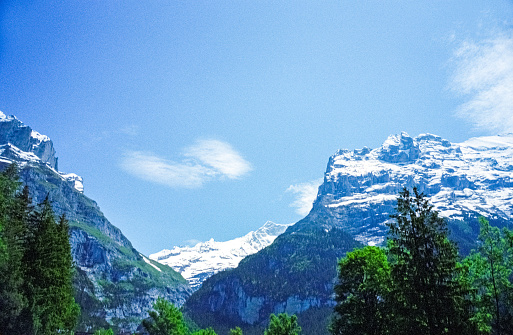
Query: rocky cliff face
[[359, 192], [13, 131], [462, 179], [115, 285], [201, 261]]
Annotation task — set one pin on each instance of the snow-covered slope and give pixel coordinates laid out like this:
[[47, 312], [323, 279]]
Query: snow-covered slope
[[201, 261], [473, 177], [23, 145]]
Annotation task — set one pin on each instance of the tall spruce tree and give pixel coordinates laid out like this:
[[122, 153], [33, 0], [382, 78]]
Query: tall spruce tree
[[49, 288], [14, 207], [428, 298]]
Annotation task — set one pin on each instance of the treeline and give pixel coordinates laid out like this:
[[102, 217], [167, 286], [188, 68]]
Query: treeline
[[36, 266]]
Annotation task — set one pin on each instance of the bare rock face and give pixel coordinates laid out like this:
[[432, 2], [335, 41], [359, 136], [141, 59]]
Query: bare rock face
[[115, 285], [13, 131]]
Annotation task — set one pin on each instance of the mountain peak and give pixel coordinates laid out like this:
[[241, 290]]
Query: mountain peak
[[21, 144], [473, 177], [204, 259]]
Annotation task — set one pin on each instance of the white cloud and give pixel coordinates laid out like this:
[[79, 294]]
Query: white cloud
[[205, 161], [305, 195], [220, 156], [484, 74]]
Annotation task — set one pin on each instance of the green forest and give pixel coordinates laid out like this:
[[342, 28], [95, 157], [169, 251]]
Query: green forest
[[418, 283]]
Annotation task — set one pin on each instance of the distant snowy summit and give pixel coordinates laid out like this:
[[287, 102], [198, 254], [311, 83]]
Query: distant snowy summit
[[201, 261], [20, 144], [361, 186]]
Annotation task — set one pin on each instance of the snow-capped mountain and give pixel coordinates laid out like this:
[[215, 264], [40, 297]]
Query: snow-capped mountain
[[295, 274], [201, 261], [23, 145], [473, 177]]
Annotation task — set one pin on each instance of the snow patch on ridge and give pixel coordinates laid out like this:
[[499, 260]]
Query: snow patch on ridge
[[149, 262]]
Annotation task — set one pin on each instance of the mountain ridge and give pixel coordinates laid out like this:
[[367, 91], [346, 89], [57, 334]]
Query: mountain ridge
[[204, 259]]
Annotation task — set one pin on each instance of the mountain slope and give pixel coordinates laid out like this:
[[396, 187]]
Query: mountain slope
[[201, 261], [114, 283], [357, 196]]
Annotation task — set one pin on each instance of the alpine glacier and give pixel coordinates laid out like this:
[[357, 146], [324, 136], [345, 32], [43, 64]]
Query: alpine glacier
[[201, 261]]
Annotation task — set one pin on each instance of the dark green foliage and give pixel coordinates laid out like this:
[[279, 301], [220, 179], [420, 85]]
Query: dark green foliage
[[35, 276], [427, 296], [364, 282], [489, 273], [282, 325], [49, 274], [165, 319], [419, 290], [13, 224]]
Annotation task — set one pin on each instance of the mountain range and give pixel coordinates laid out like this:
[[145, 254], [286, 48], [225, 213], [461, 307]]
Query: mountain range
[[204, 259], [297, 272], [277, 268]]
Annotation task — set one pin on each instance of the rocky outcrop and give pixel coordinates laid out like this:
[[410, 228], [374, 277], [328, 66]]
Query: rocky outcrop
[[13, 131], [115, 285]]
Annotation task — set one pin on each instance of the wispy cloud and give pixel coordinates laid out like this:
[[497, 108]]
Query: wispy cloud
[[305, 194], [202, 162], [219, 156], [484, 74]]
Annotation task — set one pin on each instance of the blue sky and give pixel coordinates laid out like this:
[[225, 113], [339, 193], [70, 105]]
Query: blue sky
[[197, 119]]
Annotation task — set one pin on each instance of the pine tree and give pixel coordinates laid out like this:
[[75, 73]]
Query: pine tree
[[52, 307], [14, 208], [429, 299]]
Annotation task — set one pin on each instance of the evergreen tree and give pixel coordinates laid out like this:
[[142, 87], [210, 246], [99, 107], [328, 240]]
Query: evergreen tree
[[428, 298], [166, 319], [361, 293], [489, 271], [52, 307], [283, 325], [13, 219]]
